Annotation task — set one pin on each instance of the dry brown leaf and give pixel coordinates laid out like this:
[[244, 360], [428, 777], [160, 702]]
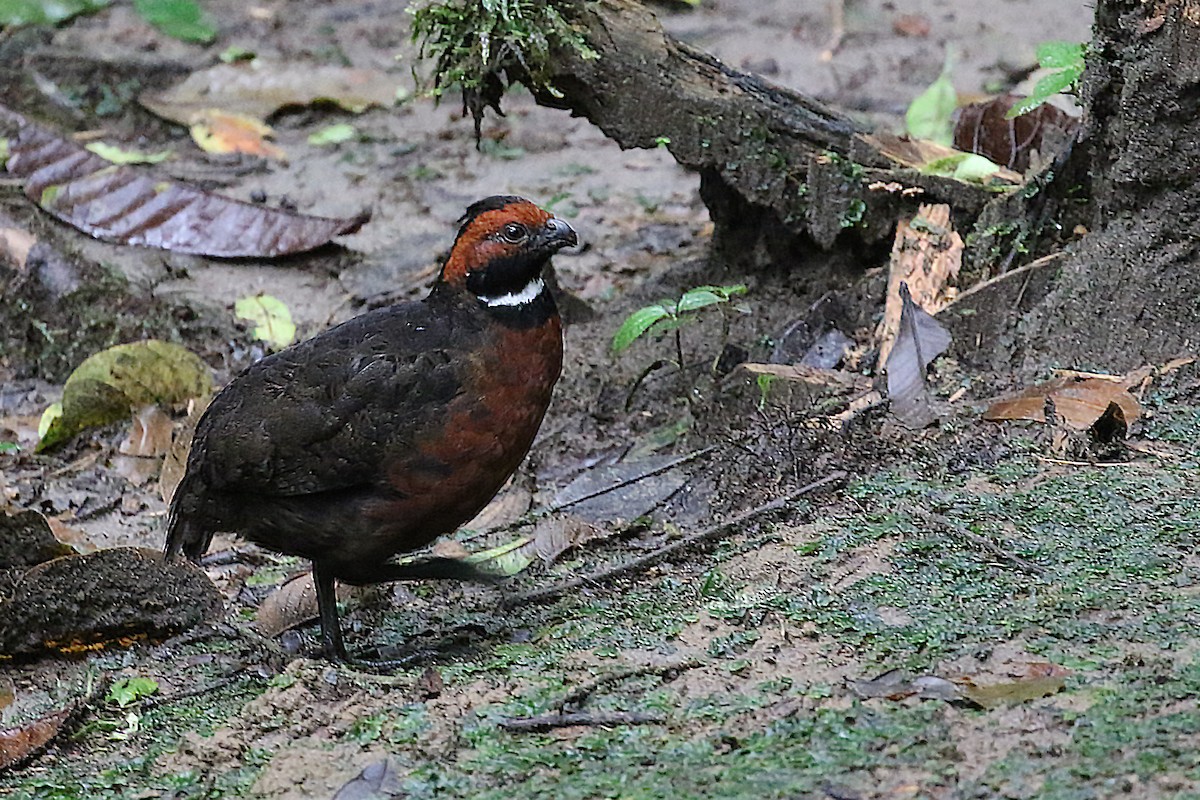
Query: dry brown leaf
[[984, 128], [15, 245], [150, 434], [1079, 402], [260, 88], [292, 604], [175, 462], [896, 684], [927, 255], [217, 131], [505, 508], [20, 744], [554, 536], [911, 25], [449, 548], [919, 340], [130, 205], [137, 470]]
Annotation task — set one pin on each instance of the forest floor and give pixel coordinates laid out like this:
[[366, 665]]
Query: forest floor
[[963, 614]]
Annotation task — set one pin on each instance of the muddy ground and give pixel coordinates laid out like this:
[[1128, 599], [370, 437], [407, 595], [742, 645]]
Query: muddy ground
[[970, 552]]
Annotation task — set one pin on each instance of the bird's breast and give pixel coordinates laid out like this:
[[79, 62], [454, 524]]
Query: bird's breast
[[487, 429]]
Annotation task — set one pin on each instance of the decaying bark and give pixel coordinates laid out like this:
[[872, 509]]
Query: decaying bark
[[774, 165], [1129, 292]]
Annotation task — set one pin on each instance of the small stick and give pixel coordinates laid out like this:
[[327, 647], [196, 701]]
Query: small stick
[[1032, 265], [981, 542], [600, 719], [711, 533], [534, 516], [581, 693]]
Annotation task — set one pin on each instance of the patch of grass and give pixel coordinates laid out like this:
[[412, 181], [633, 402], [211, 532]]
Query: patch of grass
[[788, 757], [1109, 543]]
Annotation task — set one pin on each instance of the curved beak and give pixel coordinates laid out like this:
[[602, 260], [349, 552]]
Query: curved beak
[[557, 234]]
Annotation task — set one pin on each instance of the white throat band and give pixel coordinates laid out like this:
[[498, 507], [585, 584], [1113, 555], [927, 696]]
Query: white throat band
[[531, 292]]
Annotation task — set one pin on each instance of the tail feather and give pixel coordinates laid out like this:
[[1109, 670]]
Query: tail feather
[[188, 530]]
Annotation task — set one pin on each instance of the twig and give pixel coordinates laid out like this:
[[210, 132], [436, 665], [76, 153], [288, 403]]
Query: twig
[[599, 719], [534, 516], [837, 32], [710, 533], [981, 542], [1003, 276], [576, 696], [1070, 463], [155, 701]]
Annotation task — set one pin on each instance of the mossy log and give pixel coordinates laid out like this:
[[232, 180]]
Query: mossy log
[[774, 165]]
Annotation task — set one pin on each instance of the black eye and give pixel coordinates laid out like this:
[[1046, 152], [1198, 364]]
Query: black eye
[[514, 232]]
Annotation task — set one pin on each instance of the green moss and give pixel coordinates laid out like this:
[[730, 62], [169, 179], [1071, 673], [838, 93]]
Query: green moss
[[477, 44]]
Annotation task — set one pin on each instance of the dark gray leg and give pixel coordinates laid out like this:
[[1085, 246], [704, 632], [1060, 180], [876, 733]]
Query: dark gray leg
[[331, 628]]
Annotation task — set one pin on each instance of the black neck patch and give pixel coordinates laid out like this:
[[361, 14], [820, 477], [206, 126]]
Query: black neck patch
[[507, 274], [533, 314]]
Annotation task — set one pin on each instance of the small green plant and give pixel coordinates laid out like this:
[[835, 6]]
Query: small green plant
[[669, 315], [764, 382], [1066, 58], [127, 691], [672, 315]]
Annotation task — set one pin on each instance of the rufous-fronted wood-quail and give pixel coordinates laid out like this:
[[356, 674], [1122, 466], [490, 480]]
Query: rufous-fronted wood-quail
[[389, 430]]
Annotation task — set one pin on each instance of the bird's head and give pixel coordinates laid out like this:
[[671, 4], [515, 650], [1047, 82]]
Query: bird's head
[[502, 245]]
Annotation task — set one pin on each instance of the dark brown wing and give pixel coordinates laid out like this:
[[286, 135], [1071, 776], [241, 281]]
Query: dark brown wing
[[323, 415]]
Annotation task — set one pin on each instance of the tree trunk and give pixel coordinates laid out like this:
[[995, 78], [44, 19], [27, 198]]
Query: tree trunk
[[1130, 292]]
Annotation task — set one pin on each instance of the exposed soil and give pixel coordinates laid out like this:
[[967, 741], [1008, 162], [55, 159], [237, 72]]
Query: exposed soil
[[747, 647]]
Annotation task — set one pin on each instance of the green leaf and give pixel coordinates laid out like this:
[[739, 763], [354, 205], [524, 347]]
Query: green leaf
[[507, 559], [944, 166], [108, 385], [667, 324], [700, 297], [45, 12], [1043, 90], [52, 412], [271, 318], [333, 134], [116, 155], [179, 19], [929, 114], [637, 324], [129, 690], [975, 169], [235, 53], [1068, 59], [1060, 55]]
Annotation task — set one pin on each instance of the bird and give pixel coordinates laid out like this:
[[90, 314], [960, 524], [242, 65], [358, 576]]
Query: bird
[[395, 427]]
